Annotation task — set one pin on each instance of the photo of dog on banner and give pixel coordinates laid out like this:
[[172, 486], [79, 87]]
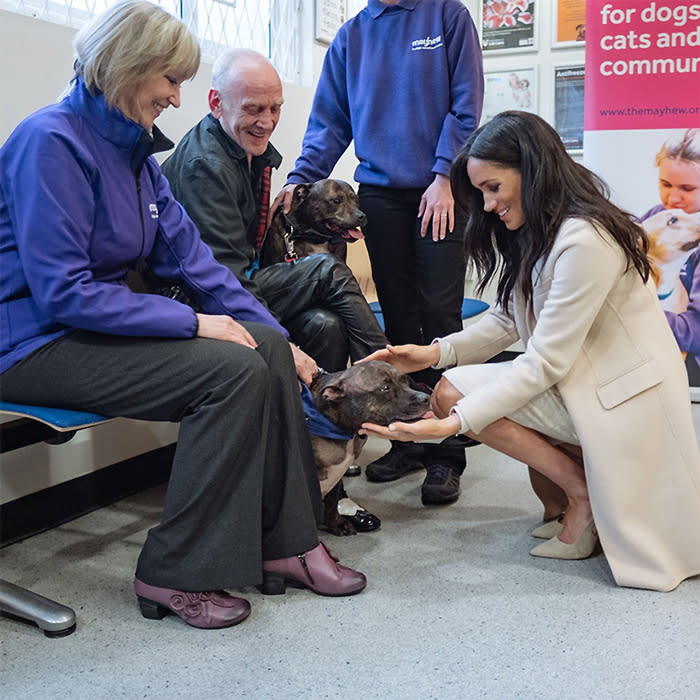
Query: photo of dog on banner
[[673, 230]]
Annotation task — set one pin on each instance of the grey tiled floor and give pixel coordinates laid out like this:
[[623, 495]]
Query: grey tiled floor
[[455, 608]]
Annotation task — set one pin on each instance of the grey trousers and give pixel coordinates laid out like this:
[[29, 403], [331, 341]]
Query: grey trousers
[[243, 485]]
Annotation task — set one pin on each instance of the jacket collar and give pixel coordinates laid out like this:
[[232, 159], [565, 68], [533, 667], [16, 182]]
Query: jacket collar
[[147, 145], [271, 156], [118, 129], [376, 7]]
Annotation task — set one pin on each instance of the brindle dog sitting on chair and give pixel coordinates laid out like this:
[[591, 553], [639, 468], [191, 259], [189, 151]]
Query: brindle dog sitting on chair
[[323, 218]]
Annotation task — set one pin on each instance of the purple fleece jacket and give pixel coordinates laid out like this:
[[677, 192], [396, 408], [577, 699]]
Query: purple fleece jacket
[[82, 200]]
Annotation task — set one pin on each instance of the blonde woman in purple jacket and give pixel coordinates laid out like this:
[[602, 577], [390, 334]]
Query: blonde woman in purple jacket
[[82, 200]]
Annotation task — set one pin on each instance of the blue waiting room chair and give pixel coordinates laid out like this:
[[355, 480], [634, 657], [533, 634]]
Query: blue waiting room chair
[[33, 424], [470, 307]]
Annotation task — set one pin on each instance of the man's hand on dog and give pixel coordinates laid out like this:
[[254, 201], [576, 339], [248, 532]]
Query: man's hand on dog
[[438, 204], [285, 196], [407, 358], [306, 366]]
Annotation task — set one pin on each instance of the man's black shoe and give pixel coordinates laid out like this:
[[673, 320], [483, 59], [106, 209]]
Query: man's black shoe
[[441, 485], [401, 459], [353, 470], [363, 521]]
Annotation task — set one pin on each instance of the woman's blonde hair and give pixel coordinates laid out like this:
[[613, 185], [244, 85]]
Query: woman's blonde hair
[[683, 147], [133, 41]]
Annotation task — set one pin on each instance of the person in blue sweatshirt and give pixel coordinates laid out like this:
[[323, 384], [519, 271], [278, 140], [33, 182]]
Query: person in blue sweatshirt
[[83, 200], [403, 79]]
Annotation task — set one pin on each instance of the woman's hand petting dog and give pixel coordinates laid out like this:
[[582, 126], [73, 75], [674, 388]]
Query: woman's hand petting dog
[[426, 429], [407, 358], [411, 358]]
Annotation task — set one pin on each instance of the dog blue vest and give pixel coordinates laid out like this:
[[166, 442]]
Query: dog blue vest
[[316, 422]]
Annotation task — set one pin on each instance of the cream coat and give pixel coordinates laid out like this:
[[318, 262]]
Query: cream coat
[[598, 333]]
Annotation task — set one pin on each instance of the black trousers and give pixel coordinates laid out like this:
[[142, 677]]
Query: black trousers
[[691, 364], [420, 282], [319, 301], [243, 486]]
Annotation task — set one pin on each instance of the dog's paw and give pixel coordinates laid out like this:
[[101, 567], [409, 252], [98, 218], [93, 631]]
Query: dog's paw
[[340, 527]]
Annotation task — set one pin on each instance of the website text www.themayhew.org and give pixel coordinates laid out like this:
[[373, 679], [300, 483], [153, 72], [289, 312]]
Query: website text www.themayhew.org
[[648, 111]]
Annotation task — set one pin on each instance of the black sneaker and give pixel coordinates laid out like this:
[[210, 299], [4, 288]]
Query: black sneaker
[[401, 459], [353, 470], [441, 485]]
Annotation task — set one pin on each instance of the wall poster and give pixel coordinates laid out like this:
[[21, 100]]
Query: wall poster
[[569, 23], [509, 89], [568, 106], [330, 15], [508, 25]]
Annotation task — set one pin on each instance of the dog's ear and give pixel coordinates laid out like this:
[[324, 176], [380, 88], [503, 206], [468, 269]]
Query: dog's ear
[[301, 192], [333, 392]]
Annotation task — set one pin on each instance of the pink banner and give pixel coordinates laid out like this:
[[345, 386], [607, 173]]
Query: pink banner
[[642, 64], [641, 119]]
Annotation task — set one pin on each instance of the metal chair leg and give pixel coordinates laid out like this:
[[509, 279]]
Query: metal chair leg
[[55, 619]]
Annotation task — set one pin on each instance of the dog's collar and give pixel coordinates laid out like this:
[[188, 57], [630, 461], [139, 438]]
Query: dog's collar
[[316, 422], [290, 233], [312, 236]]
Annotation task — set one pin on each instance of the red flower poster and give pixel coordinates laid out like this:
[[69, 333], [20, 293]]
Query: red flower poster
[[507, 25]]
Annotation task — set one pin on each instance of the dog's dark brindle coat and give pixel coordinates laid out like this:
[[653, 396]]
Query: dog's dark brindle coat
[[369, 392], [324, 216]]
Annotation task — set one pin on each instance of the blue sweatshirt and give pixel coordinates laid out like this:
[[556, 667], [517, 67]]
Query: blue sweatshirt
[[81, 201], [406, 83]]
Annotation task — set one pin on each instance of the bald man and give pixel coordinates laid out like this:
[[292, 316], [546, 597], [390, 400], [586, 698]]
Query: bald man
[[220, 173]]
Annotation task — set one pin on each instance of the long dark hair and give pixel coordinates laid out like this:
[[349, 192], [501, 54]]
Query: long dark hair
[[553, 188]]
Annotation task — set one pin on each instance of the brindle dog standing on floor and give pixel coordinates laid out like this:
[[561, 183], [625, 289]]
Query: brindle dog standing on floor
[[324, 217], [369, 392]]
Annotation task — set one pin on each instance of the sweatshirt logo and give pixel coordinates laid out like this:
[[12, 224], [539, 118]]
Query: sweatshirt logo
[[154, 210], [427, 44]]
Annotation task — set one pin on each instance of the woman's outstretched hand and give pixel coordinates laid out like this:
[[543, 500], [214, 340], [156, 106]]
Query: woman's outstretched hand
[[426, 429], [407, 358]]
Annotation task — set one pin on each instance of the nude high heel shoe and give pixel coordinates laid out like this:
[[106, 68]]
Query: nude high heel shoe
[[550, 528], [582, 548]]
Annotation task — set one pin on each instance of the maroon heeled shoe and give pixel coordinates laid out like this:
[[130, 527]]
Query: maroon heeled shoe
[[316, 570], [206, 610]]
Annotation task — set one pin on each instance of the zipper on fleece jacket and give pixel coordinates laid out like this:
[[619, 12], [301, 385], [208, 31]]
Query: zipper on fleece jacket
[[139, 204], [147, 145]]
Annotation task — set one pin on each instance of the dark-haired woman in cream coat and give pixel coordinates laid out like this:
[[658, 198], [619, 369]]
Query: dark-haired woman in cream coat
[[598, 402]]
